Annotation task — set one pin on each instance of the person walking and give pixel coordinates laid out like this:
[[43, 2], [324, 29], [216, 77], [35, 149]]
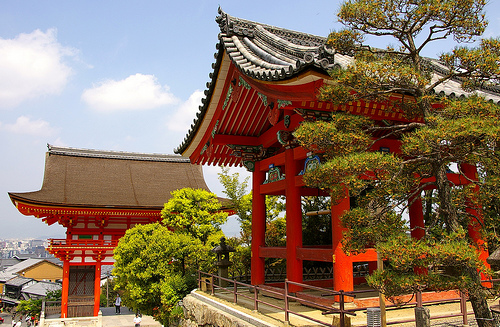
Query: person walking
[[118, 303], [137, 320]]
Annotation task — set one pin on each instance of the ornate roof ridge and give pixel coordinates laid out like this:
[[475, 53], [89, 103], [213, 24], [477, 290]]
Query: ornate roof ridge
[[108, 154], [239, 26], [271, 53]]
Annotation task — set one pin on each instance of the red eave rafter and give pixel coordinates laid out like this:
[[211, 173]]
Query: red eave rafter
[[50, 214], [251, 119]]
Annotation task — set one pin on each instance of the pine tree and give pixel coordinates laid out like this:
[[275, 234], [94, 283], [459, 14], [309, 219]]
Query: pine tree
[[441, 134]]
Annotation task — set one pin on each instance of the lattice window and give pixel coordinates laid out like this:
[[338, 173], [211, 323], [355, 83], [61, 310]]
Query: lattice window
[[81, 280]]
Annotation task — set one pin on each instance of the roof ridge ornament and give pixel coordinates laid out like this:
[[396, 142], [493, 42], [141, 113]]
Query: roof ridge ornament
[[110, 154]]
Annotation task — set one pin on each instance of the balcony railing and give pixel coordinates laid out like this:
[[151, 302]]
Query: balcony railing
[[82, 244]]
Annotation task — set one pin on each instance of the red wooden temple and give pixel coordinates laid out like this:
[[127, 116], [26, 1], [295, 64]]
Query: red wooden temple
[[264, 83], [97, 196]]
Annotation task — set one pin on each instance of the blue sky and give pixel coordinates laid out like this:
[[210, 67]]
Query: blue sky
[[117, 75]]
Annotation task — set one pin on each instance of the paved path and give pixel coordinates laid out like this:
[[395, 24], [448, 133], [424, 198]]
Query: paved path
[[110, 319]]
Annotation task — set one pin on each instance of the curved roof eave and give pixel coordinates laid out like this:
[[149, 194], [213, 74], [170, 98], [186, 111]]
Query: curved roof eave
[[25, 198], [261, 52], [275, 55]]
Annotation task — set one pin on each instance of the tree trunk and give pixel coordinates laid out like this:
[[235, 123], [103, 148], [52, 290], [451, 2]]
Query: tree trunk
[[447, 210], [477, 295], [477, 298]]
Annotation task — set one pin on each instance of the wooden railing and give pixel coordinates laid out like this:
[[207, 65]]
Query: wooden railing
[[90, 244], [51, 308]]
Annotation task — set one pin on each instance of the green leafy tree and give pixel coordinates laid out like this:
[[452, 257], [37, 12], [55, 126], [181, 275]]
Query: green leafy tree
[[156, 264], [443, 134], [195, 212], [33, 307], [241, 201], [152, 269]]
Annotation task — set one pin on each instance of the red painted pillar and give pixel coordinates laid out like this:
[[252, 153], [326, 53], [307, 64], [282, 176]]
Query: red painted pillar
[[416, 217], [97, 288], [417, 224], [474, 229], [293, 222], [65, 289], [342, 264], [258, 225]]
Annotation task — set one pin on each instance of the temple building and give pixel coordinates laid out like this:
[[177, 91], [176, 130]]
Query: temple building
[[264, 83], [97, 196]]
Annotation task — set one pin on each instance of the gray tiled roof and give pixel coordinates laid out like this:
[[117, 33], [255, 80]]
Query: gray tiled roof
[[67, 151], [41, 288], [5, 263], [18, 281], [11, 271], [23, 265], [271, 53]]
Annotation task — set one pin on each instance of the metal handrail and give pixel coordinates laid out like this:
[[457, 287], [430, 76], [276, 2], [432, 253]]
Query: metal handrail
[[328, 310], [287, 296]]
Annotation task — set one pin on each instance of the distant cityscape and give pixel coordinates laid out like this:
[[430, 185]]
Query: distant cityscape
[[35, 248]]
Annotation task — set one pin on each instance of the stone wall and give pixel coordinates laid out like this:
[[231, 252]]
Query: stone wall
[[200, 310]]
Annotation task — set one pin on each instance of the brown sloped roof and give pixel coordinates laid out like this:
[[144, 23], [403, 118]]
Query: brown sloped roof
[[110, 179]]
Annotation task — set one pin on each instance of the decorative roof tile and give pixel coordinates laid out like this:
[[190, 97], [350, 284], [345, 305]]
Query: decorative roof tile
[[270, 53], [89, 153]]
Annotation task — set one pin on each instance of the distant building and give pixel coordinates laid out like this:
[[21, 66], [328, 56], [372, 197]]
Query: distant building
[[39, 290], [36, 269]]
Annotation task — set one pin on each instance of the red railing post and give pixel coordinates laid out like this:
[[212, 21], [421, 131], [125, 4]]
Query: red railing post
[[342, 317], [287, 318], [463, 308], [255, 298], [235, 291]]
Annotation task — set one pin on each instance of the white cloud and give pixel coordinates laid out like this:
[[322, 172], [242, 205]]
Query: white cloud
[[31, 65], [182, 119], [25, 125], [136, 92]]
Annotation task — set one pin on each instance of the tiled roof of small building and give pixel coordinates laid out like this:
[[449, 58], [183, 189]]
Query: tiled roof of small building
[[270, 53], [41, 288], [18, 281]]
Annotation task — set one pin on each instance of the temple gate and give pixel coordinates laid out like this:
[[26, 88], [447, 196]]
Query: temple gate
[[97, 196]]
